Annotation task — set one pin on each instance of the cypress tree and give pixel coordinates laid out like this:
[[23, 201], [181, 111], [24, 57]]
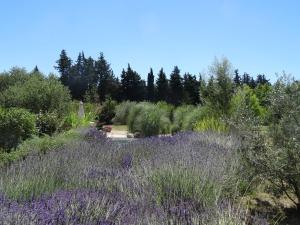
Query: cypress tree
[[64, 64], [150, 86], [237, 79], [176, 87], [191, 89], [133, 87], [162, 86]]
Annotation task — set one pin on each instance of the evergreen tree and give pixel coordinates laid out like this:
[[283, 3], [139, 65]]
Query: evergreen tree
[[150, 86], [107, 83], [162, 86], [191, 89], [133, 87], [252, 83], [36, 69], [237, 79], [202, 89], [176, 87], [64, 67], [246, 79], [261, 79]]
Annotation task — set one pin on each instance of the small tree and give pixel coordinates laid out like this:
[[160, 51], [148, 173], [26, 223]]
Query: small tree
[[275, 155]]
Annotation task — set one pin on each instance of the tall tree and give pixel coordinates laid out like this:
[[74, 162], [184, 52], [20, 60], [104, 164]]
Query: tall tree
[[162, 86], [191, 89], [150, 86], [246, 79], [261, 79], [107, 82], [237, 79], [202, 89], [176, 87], [220, 87], [36, 69], [64, 64], [133, 87]]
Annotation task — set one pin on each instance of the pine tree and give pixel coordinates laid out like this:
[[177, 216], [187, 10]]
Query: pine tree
[[106, 79], [36, 69], [133, 87], [246, 79], [237, 79], [162, 86], [176, 87], [150, 86], [191, 89], [64, 67], [261, 79], [202, 90]]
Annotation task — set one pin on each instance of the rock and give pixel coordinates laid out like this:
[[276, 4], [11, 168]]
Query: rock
[[129, 135], [137, 135]]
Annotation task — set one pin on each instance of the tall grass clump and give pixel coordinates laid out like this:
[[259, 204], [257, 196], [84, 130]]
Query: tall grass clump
[[122, 112], [179, 115], [211, 124], [148, 119]]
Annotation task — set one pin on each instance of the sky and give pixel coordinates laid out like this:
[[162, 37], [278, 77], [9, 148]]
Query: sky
[[256, 36]]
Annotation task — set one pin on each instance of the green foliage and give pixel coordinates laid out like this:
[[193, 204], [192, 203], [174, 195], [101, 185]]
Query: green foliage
[[16, 125], [47, 123], [193, 116], [176, 87], [149, 119], [245, 102], [219, 89], [274, 154], [37, 94], [107, 111], [39, 145], [175, 185], [179, 116], [210, 124], [122, 112]]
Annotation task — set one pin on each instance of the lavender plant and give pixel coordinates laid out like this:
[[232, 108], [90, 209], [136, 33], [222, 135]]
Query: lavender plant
[[178, 179]]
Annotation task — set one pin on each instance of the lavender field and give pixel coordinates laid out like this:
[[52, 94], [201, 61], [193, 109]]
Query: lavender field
[[189, 178]]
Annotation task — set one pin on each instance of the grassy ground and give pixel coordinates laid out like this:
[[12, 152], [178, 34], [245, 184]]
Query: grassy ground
[[38, 145]]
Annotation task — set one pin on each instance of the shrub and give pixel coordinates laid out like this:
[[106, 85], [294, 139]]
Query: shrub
[[275, 153], [47, 123], [210, 124], [16, 125], [107, 111], [36, 94], [122, 112]]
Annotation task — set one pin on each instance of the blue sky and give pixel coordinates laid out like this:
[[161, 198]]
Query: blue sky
[[256, 36]]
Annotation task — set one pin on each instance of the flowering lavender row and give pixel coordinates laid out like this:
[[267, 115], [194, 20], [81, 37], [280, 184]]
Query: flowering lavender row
[[178, 179]]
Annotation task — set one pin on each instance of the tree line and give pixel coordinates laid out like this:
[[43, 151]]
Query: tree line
[[94, 80]]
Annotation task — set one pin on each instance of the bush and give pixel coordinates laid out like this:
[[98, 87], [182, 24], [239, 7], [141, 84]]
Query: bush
[[47, 123], [210, 124], [36, 94], [122, 112], [107, 111], [16, 125]]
